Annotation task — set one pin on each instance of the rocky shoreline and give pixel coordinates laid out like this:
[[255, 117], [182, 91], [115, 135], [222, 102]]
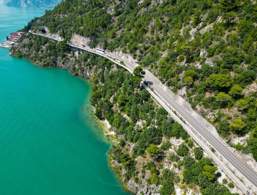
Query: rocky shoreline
[[105, 128], [142, 168]]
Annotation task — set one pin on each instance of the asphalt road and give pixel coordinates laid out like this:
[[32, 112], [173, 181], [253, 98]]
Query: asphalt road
[[199, 126], [100, 53], [197, 123]]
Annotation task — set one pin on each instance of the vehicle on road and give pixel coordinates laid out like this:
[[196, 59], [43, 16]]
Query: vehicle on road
[[100, 50], [147, 83]]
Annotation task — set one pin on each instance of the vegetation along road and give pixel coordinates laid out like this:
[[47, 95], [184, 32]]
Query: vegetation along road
[[202, 132]]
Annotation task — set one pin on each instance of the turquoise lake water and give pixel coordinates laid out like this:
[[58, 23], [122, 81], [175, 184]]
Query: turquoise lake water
[[48, 145]]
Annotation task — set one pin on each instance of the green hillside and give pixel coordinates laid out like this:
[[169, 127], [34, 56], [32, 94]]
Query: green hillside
[[207, 47]]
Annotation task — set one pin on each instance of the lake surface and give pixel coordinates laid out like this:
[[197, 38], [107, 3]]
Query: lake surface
[[47, 141]]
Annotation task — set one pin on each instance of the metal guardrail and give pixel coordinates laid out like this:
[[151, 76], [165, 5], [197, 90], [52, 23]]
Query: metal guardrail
[[194, 133]]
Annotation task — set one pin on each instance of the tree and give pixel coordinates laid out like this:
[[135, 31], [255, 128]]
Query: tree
[[191, 73], [188, 80], [138, 71], [252, 113], [62, 47], [229, 5], [231, 185], [200, 172], [154, 179], [223, 126], [209, 172], [242, 104], [148, 136], [246, 77], [167, 182], [223, 99], [252, 143], [236, 91], [191, 173], [182, 150], [219, 81], [216, 189], [178, 131], [188, 161], [237, 125], [198, 152], [153, 150], [166, 145]]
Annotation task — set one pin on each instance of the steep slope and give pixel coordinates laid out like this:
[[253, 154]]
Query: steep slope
[[206, 48], [150, 153]]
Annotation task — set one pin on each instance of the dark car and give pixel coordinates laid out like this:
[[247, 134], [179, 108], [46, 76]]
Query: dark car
[[147, 83]]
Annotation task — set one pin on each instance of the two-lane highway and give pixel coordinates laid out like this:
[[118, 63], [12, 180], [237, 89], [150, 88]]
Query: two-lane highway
[[201, 130], [187, 114]]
